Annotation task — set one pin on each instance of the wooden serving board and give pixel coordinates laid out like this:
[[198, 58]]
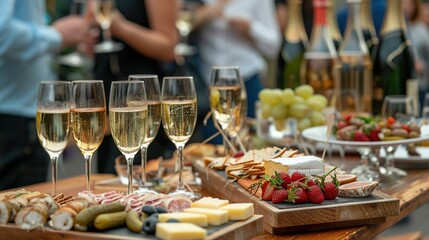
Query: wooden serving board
[[287, 217], [231, 230]]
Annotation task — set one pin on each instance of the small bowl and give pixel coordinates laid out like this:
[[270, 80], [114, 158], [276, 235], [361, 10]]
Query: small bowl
[[121, 171]]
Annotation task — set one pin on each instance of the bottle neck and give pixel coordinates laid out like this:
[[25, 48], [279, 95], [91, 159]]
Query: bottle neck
[[394, 17], [321, 38], [320, 18], [354, 40], [295, 27], [332, 21], [366, 16]]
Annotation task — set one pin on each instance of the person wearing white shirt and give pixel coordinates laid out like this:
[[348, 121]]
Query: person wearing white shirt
[[238, 33]]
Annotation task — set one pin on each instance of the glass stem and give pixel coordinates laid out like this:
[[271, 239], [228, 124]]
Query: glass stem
[[88, 171], [54, 163], [390, 153], [130, 174], [106, 34], [180, 186], [144, 164]]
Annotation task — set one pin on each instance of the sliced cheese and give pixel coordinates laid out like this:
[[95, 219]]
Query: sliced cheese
[[308, 165], [209, 202], [239, 211], [214, 216], [184, 217], [170, 231]]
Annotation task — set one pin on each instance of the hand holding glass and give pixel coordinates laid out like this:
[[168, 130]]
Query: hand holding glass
[[103, 11], [128, 119], [53, 120]]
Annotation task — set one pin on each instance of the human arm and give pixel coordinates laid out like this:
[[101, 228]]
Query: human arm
[[157, 42]]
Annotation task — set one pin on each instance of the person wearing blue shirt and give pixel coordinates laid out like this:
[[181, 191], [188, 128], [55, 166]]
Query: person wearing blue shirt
[[26, 48]]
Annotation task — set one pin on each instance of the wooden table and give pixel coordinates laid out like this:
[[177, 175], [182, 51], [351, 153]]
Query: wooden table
[[413, 192]]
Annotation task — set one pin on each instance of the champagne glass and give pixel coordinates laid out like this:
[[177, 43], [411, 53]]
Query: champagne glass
[[128, 119], [225, 96], [75, 58], [179, 115], [53, 121], [425, 110], [88, 119], [184, 25], [402, 109], [103, 11], [153, 120]]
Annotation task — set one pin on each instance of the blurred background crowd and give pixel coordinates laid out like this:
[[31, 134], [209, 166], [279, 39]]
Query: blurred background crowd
[[65, 40]]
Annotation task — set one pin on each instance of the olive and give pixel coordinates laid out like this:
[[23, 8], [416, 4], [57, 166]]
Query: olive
[[155, 215], [149, 225], [149, 209], [173, 220], [160, 209]]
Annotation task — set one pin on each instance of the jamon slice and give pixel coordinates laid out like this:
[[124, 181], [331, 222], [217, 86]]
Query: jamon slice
[[357, 189]]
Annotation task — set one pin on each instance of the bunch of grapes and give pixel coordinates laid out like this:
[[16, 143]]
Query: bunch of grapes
[[301, 104]]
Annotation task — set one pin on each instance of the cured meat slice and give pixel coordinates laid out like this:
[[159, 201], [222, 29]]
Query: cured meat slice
[[177, 203], [357, 189]]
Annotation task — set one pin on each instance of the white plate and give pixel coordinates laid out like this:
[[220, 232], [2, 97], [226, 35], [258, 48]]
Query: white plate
[[318, 134]]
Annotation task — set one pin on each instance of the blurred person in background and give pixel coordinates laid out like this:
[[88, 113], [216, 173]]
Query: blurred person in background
[[27, 45], [419, 35], [147, 30], [238, 33]]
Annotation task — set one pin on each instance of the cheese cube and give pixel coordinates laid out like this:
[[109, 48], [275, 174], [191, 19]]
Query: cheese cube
[[239, 211], [183, 217], [208, 202], [169, 231], [214, 216], [308, 165]]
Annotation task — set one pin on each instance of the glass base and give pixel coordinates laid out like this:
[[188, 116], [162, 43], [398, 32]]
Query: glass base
[[183, 49], [73, 59], [142, 190], [108, 47], [191, 195]]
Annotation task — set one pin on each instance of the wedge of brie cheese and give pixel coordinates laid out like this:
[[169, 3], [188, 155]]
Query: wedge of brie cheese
[[308, 165]]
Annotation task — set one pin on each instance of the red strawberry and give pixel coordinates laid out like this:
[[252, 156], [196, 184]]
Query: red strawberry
[[297, 195], [348, 117], [280, 195], [310, 183], [360, 136], [295, 185], [341, 124], [373, 134], [238, 154], [267, 191], [286, 179], [297, 176], [330, 191], [315, 194]]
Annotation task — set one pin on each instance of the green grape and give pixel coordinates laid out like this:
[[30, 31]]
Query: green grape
[[265, 110], [299, 110], [321, 98], [315, 104], [279, 112], [298, 99], [303, 124], [270, 96], [279, 125], [287, 96], [264, 95], [317, 119], [305, 91]]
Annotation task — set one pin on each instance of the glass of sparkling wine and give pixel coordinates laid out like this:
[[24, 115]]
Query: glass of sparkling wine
[[103, 11], [179, 115], [53, 120], [225, 96], [128, 120], [88, 119], [153, 120]]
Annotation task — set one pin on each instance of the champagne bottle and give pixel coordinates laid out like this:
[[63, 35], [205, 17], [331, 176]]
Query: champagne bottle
[[353, 89], [333, 24], [393, 64], [368, 29], [320, 60], [296, 42]]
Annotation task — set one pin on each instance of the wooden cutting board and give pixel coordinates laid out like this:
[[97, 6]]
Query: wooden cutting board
[[231, 230], [287, 217]]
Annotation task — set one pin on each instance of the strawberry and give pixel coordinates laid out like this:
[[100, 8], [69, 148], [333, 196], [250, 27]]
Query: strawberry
[[348, 117], [360, 136], [330, 190], [373, 134], [297, 195], [267, 191], [279, 196], [315, 194], [297, 176], [310, 183], [286, 179], [341, 124], [238, 154]]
